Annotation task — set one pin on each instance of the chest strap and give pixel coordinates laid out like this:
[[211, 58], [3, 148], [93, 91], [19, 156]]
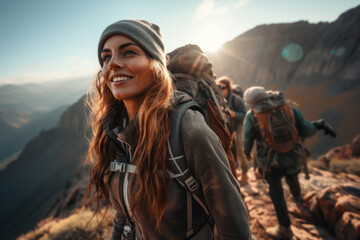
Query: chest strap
[[122, 167], [185, 177]]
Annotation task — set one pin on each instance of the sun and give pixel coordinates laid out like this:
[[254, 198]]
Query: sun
[[211, 45], [209, 39]]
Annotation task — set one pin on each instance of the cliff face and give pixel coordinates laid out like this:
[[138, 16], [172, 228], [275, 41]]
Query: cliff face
[[29, 184], [316, 65]]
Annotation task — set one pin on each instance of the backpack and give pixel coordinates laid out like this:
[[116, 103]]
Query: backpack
[[276, 125], [192, 73], [237, 90]]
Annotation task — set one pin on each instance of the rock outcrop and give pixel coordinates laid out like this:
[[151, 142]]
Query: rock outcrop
[[341, 159]]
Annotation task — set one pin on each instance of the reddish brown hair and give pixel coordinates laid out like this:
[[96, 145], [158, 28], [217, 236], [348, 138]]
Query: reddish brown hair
[[150, 154]]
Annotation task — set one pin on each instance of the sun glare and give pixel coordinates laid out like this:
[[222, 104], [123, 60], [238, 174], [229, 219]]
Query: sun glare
[[209, 40], [211, 45]]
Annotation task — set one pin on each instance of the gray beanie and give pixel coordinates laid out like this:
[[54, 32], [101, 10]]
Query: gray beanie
[[144, 33], [254, 95]]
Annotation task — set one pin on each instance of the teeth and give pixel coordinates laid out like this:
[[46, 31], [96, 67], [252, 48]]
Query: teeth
[[122, 78]]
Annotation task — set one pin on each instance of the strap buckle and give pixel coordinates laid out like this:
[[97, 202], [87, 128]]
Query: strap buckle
[[116, 166], [191, 184]]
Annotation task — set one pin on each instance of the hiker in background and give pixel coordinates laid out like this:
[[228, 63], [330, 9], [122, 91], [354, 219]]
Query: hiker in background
[[192, 73], [238, 91], [277, 128], [133, 107], [237, 111]]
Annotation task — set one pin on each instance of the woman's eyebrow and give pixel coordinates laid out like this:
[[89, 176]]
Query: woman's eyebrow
[[121, 47], [127, 44]]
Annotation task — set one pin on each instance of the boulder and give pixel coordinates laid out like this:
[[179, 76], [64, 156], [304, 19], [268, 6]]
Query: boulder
[[337, 206], [348, 226]]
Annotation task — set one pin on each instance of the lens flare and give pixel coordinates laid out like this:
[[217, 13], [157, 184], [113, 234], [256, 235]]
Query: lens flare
[[339, 51], [292, 52]]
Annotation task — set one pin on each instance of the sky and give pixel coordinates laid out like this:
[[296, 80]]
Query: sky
[[51, 40]]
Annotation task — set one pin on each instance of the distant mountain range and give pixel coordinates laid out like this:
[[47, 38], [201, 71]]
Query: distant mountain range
[[21, 103], [316, 65], [27, 109]]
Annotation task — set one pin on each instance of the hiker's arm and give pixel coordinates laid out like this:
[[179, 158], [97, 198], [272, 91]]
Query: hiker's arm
[[207, 160], [248, 134], [118, 226], [305, 128]]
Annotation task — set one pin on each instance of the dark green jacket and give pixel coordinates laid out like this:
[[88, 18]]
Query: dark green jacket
[[290, 160]]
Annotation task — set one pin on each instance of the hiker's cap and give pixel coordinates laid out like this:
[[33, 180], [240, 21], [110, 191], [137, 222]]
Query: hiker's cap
[[144, 33], [254, 95]]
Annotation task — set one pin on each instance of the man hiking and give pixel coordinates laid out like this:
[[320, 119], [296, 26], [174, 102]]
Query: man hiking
[[277, 128]]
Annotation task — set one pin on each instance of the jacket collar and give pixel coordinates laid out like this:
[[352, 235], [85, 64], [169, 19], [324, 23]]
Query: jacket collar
[[129, 133]]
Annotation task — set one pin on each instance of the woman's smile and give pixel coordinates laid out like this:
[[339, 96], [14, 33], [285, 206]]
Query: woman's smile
[[120, 79]]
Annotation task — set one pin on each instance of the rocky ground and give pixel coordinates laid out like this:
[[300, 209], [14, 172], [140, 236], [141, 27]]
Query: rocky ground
[[330, 210]]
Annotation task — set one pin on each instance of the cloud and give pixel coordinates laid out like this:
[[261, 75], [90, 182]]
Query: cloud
[[211, 8], [242, 3]]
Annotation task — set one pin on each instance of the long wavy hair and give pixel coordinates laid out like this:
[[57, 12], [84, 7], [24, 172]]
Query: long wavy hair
[[150, 155]]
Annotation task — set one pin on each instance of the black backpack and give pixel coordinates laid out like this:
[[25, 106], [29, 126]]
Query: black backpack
[[192, 73]]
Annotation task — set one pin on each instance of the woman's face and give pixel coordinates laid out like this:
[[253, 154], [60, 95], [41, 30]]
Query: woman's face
[[224, 89], [126, 69]]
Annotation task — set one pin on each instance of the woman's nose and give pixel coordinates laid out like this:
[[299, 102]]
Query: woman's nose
[[115, 62]]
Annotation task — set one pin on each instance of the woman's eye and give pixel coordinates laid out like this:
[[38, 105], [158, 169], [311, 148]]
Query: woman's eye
[[128, 52], [106, 58]]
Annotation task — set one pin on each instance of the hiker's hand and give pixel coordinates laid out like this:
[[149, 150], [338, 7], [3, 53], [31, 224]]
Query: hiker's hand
[[248, 157], [322, 124], [232, 113]]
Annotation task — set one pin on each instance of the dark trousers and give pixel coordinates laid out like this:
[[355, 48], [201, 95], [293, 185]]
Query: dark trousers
[[277, 194]]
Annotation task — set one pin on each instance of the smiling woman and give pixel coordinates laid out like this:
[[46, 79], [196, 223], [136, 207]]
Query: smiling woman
[[131, 127]]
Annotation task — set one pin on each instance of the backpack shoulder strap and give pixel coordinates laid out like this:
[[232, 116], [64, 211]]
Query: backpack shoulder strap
[[176, 116], [177, 162]]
